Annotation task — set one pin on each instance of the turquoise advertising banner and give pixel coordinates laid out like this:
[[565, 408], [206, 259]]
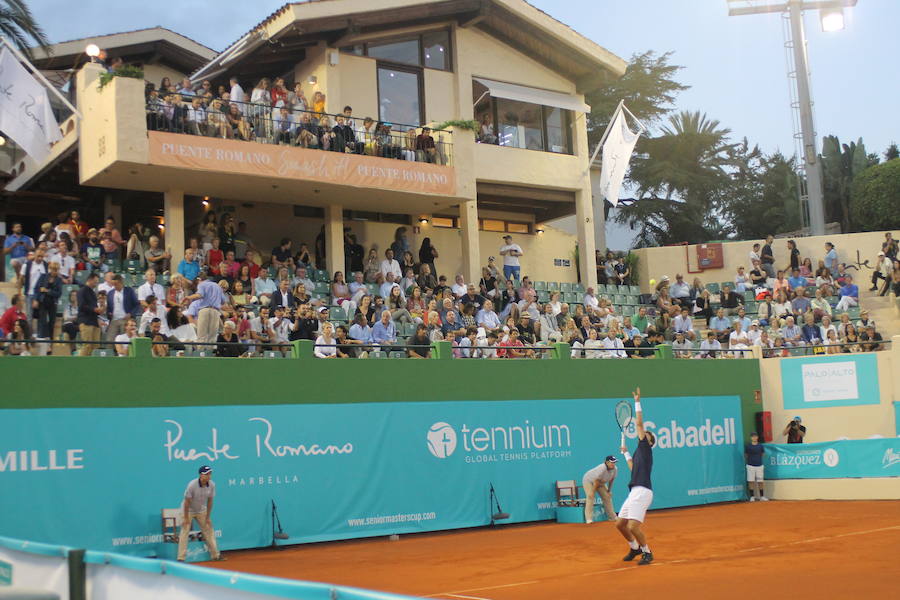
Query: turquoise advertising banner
[[823, 381], [833, 460], [99, 478]]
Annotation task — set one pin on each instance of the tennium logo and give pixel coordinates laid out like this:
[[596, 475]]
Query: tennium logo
[[891, 458], [831, 457], [441, 440], [500, 443]]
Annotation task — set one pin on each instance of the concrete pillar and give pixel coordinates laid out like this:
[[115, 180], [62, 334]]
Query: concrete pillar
[[471, 251], [173, 215], [584, 227], [334, 239], [113, 209], [599, 212]]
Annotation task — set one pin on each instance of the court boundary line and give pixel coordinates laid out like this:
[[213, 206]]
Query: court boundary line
[[457, 593]]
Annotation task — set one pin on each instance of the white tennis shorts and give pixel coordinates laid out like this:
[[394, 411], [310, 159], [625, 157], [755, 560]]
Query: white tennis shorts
[[755, 473], [636, 504]]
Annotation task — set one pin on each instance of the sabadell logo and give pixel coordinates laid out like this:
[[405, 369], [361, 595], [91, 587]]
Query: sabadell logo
[[441, 440]]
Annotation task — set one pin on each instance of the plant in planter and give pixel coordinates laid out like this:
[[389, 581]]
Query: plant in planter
[[124, 71], [468, 125]]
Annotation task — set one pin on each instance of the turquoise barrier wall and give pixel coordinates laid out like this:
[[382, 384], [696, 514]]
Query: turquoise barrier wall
[[99, 479], [834, 460]]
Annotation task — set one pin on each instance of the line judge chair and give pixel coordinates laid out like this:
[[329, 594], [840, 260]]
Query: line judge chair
[[171, 526], [567, 493]]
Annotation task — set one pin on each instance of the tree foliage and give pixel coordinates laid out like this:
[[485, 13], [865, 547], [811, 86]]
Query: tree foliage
[[19, 26], [875, 197], [841, 163], [648, 88], [892, 152], [764, 197]]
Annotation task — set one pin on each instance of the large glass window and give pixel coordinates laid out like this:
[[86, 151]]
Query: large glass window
[[519, 124], [406, 51], [431, 50], [399, 99], [436, 47]]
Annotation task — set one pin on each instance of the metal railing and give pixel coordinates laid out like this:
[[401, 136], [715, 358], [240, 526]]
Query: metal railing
[[292, 127]]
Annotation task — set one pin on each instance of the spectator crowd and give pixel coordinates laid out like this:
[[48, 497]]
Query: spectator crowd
[[231, 298]]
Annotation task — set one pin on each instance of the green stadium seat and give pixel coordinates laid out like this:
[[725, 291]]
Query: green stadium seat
[[553, 286], [751, 307], [373, 289], [749, 295], [713, 288], [397, 354], [132, 266], [337, 313], [103, 352], [627, 311], [543, 296], [322, 275], [203, 353], [634, 290], [81, 276], [113, 263], [540, 286], [163, 279], [565, 287], [377, 354], [322, 288], [578, 288], [854, 311], [272, 354], [619, 300], [572, 297]]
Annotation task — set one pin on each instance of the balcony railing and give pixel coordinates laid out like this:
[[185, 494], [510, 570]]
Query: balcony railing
[[300, 128]]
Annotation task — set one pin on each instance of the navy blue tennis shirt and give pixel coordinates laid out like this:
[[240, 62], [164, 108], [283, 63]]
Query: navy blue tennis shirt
[[754, 454], [641, 465]]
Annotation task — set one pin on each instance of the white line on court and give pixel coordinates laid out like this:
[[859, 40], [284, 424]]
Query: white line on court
[[468, 597], [668, 562]]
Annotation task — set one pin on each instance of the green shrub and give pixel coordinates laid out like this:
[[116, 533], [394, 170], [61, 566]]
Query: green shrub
[[124, 71]]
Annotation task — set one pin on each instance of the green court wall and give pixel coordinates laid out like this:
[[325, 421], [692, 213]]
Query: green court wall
[[103, 382]]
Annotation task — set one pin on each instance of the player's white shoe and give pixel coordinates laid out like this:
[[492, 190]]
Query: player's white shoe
[[589, 521], [752, 498], [764, 499]]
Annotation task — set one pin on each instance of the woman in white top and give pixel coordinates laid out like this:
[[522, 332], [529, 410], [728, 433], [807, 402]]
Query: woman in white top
[[322, 350], [827, 327], [832, 343], [593, 347], [741, 281], [555, 303], [261, 100], [123, 339]]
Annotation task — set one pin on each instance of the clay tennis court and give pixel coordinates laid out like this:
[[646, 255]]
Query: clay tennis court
[[813, 549]]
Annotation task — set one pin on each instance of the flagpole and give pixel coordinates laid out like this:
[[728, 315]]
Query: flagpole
[[23, 59]]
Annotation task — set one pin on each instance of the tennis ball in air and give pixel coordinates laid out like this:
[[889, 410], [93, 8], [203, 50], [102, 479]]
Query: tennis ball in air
[[652, 282]]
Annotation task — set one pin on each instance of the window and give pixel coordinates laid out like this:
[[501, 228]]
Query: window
[[399, 96], [405, 52], [436, 47], [518, 228], [430, 50], [443, 222], [521, 124], [493, 225]]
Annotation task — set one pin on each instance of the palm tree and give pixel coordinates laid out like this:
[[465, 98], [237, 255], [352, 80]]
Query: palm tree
[[18, 25], [682, 178]]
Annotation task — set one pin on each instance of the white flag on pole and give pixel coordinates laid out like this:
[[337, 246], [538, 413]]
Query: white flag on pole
[[26, 116], [617, 149]]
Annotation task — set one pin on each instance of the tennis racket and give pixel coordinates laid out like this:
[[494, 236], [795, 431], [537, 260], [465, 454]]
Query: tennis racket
[[624, 415]]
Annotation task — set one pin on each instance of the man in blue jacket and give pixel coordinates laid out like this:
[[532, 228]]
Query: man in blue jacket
[[121, 304]]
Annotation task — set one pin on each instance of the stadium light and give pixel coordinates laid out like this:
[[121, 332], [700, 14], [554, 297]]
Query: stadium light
[[832, 20], [92, 50]]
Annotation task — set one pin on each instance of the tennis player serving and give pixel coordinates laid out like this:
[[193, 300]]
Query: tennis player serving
[[631, 515]]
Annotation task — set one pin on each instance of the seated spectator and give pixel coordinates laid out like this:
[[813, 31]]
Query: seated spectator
[[637, 346], [486, 317], [696, 288], [123, 340], [684, 325], [832, 343], [849, 294], [265, 287], [19, 332], [782, 307], [680, 291], [305, 325], [189, 267], [780, 284], [510, 348], [741, 281], [810, 331], [468, 344], [549, 325], [791, 333], [864, 321], [710, 346], [796, 280], [460, 288], [420, 343], [325, 344], [729, 300], [766, 311], [612, 346], [754, 333], [681, 346], [702, 307], [820, 306], [360, 330], [640, 321], [721, 326], [282, 256], [527, 333], [825, 282], [851, 340], [871, 340], [214, 257], [227, 343], [384, 333], [425, 148], [153, 310], [800, 305], [757, 275], [593, 346], [825, 327]]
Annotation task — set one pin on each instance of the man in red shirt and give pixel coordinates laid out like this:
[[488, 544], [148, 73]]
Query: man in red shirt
[[513, 342], [14, 313]]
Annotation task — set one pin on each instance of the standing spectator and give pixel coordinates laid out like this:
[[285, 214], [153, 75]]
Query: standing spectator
[[753, 453], [427, 254], [510, 253], [29, 276], [831, 258], [157, 258], [794, 431], [88, 314], [65, 261], [884, 267], [794, 255], [17, 245], [211, 298], [122, 304], [767, 257], [400, 244], [49, 289], [754, 255], [390, 265], [849, 294], [111, 239], [92, 251]]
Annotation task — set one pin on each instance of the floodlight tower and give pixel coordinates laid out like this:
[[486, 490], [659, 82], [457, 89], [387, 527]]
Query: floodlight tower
[[831, 15]]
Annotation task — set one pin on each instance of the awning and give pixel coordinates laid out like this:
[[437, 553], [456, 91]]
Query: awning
[[511, 91]]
